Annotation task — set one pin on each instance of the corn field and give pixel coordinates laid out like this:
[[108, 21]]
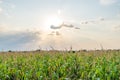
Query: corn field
[[46, 65]]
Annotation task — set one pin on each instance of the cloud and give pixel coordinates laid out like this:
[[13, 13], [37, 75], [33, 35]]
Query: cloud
[[55, 27], [108, 2], [57, 33], [63, 25], [101, 19], [77, 28], [93, 21], [6, 10], [19, 40]]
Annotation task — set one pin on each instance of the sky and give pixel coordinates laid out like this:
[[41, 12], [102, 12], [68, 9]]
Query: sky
[[86, 24]]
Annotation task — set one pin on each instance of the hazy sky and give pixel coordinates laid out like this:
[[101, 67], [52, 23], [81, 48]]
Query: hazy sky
[[25, 24]]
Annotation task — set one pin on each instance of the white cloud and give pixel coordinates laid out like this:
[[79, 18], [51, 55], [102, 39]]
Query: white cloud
[[108, 2]]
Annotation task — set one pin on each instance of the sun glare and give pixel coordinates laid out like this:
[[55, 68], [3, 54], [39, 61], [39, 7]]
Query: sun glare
[[53, 20]]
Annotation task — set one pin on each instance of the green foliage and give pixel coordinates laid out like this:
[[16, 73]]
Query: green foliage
[[60, 66]]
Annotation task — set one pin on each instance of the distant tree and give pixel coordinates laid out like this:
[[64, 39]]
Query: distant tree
[[10, 51]]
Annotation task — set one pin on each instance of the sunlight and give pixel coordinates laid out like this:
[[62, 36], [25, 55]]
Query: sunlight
[[53, 20]]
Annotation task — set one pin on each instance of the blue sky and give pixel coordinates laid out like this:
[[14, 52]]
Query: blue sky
[[25, 24]]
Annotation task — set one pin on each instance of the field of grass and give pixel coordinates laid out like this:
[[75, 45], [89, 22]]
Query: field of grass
[[53, 65]]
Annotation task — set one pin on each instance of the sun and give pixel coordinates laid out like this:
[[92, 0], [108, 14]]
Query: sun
[[53, 20]]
